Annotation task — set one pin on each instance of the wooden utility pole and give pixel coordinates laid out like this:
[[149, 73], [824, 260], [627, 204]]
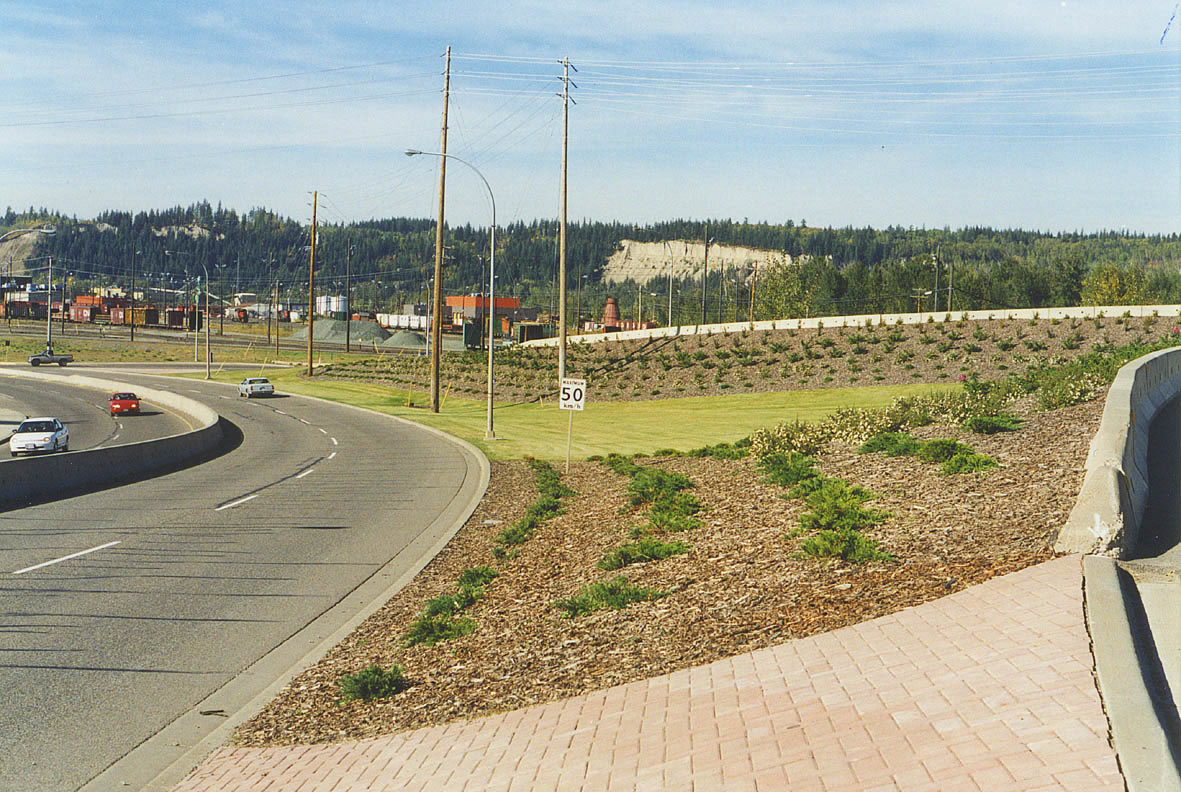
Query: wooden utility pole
[[312, 284], [133, 252], [705, 276], [753, 285], [562, 224], [437, 300]]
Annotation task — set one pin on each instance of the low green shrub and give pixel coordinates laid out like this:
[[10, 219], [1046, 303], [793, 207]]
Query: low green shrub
[[617, 593], [941, 450], [373, 682], [649, 483], [839, 506], [968, 463], [787, 468], [430, 630], [644, 549], [991, 424], [442, 605], [891, 444], [851, 546], [674, 512], [617, 463], [736, 450], [549, 481], [545, 507], [477, 576]]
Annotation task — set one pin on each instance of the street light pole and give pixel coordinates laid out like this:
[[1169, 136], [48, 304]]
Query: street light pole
[[133, 252], [489, 433], [348, 296], [208, 353], [48, 230]]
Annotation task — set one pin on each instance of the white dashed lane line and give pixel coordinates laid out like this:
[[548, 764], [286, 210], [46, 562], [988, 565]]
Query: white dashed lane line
[[305, 473], [332, 455], [65, 558], [238, 502]]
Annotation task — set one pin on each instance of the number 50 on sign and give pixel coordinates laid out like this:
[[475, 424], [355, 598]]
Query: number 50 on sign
[[573, 394]]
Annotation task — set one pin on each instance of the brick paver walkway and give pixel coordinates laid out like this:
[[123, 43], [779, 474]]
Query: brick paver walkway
[[990, 688]]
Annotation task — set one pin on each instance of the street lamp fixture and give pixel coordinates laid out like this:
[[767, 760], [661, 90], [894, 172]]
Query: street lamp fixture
[[489, 433]]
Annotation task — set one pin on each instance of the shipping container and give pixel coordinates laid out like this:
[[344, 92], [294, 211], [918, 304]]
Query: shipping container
[[83, 314]]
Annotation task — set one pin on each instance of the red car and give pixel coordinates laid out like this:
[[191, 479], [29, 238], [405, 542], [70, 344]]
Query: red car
[[123, 403]]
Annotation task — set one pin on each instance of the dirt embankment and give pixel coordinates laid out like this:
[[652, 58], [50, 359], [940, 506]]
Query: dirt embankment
[[645, 261]]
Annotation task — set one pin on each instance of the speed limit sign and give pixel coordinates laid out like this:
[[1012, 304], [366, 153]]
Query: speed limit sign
[[573, 394]]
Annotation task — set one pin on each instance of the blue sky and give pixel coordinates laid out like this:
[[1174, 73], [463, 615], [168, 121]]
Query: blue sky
[[1055, 115]]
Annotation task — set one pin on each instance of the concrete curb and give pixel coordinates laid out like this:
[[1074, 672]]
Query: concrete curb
[[24, 479], [1142, 717]]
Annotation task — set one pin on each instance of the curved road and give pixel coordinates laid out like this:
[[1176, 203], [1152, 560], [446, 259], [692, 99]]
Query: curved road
[[86, 412], [189, 578]]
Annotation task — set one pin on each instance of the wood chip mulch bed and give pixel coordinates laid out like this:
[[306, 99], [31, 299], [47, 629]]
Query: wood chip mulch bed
[[742, 586]]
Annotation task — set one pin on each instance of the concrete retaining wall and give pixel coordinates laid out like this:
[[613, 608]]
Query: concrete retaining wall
[[35, 478], [861, 320], [1107, 515]]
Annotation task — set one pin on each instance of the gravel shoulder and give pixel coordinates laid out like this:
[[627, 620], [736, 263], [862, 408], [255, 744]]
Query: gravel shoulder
[[743, 585]]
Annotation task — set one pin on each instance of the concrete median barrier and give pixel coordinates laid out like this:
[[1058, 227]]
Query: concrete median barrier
[[34, 478]]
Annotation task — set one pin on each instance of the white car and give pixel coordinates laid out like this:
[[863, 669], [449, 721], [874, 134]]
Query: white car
[[255, 386], [39, 434]]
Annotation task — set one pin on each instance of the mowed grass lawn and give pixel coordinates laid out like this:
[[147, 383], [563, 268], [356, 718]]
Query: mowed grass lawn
[[540, 430]]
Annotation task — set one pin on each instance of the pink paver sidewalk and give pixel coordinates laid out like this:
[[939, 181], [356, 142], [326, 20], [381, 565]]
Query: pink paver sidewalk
[[990, 688]]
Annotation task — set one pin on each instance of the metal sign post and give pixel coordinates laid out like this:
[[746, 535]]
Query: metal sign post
[[572, 397]]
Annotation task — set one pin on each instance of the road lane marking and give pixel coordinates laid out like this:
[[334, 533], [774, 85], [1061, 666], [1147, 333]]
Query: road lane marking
[[279, 412], [238, 502], [65, 558], [306, 472], [323, 431], [334, 441], [332, 455], [302, 421]]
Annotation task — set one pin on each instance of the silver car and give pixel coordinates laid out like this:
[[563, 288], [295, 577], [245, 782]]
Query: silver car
[[39, 434]]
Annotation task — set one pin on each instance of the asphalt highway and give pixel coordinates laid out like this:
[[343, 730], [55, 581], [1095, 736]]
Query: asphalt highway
[[85, 412], [125, 608]]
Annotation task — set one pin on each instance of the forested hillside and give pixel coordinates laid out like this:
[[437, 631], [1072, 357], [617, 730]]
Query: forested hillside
[[831, 270]]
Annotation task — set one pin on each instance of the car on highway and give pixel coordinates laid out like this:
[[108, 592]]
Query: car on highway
[[39, 434], [124, 403], [255, 386]]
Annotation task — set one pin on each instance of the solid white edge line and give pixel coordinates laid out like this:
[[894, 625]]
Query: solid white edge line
[[237, 502], [65, 558], [306, 472]]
